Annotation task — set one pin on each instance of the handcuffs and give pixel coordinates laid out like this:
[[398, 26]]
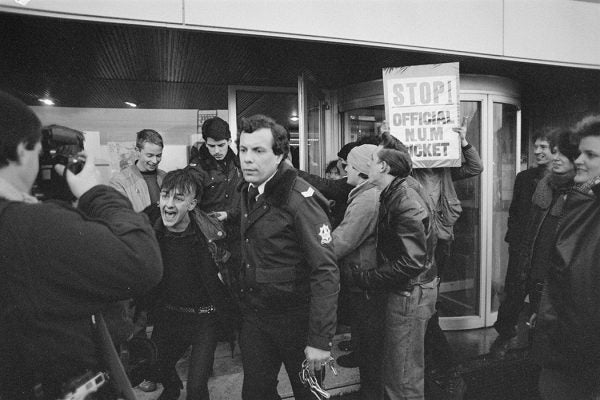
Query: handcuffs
[[308, 378]]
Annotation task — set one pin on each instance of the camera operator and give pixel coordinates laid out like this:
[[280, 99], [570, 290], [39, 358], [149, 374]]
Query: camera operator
[[59, 265]]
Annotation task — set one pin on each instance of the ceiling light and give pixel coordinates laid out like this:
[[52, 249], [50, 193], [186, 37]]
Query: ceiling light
[[47, 102], [130, 104], [294, 118]]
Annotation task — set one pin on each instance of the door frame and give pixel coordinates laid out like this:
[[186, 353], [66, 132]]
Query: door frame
[[232, 104], [486, 316]]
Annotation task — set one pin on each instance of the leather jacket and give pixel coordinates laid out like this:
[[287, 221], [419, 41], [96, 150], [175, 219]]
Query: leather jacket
[[406, 240]]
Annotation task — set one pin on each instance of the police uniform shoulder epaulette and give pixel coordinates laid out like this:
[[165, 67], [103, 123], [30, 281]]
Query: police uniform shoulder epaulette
[[304, 189]]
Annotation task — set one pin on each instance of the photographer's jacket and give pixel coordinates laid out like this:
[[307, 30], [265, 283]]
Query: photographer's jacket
[[288, 259], [59, 265]]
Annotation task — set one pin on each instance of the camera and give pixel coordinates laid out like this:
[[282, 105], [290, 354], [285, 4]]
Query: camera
[[60, 145]]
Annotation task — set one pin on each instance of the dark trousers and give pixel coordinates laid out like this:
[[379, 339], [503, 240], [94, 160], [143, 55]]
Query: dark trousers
[[438, 353], [173, 333], [516, 288], [370, 329], [267, 341]]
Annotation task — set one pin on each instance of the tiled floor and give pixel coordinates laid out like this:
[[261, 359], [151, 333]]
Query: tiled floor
[[226, 382], [470, 346]]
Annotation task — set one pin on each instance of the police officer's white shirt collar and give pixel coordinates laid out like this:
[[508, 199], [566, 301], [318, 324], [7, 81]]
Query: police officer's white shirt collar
[[261, 187]]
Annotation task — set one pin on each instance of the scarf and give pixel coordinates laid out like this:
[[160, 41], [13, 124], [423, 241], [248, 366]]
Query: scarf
[[549, 186], [586, 187]]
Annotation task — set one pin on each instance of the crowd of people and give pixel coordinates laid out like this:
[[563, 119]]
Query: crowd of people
[[246, 247]]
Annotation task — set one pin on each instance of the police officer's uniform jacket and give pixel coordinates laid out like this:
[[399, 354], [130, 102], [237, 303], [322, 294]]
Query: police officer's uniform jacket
[[288, 259]]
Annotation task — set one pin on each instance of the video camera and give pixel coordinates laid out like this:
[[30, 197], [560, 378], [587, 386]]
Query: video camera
[[60, 145]]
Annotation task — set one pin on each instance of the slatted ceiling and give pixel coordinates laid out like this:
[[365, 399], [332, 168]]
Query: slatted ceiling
[[90, 64]]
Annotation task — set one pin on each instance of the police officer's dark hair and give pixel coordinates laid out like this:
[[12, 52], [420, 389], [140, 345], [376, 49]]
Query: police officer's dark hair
[[182, 180], [18, 124], [281, 143], [150, 136], [589, 126], [395, 154]]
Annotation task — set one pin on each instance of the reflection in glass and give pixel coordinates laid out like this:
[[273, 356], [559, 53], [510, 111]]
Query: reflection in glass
[[459, 291], [505, 133]]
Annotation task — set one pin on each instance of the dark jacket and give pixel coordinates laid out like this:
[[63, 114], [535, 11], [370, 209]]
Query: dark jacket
[[335, 190], [546, 207], [215, 277], [59, 265], [569, 319], [519, 212], [405, 241], [288, 258], [219, 180]]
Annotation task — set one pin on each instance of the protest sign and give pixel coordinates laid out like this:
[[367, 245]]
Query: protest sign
[[422, 106]]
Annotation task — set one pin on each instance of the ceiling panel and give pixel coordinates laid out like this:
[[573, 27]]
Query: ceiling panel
[[93, 64]]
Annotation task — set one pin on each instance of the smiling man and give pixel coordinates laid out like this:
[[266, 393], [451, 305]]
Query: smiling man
[[519, 214], [191, 300], [289, 277], [140, 182]]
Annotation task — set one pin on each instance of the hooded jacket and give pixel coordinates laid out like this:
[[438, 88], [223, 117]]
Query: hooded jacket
[[355, 239], [131, 184]]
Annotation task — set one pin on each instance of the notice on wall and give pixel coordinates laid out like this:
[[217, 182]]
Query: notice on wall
[[422, 107]]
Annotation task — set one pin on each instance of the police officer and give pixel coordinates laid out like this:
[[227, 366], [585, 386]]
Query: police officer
[[289, 277]]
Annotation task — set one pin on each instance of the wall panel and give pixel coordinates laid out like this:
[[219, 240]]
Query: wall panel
[[468, 25], [553, 30], [169, 11]]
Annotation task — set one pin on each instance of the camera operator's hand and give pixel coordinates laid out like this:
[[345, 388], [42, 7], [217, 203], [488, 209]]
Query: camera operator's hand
[[83, 181]]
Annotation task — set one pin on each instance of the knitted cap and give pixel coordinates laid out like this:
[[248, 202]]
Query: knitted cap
[[216, 129], [343, 153], [359, 157]]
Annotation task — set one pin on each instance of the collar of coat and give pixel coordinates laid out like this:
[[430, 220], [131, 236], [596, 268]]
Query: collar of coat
[[11, 193], [210, 227], [208, 162], [392, 187], [278, 189]]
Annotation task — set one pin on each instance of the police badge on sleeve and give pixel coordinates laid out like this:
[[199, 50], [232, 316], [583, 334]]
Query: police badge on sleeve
[[325, 234]]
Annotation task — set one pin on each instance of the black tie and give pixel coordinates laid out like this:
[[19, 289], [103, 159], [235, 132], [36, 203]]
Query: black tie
[[252, 193]]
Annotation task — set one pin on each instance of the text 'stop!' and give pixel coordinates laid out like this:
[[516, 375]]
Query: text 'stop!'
[[422, 106]]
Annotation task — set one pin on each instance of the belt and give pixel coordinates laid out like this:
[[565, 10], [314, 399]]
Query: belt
[[192, 310]]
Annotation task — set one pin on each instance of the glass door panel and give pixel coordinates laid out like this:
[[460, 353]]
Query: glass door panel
[[311, 126], [362, 122], [460, 288], [504, 128]]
